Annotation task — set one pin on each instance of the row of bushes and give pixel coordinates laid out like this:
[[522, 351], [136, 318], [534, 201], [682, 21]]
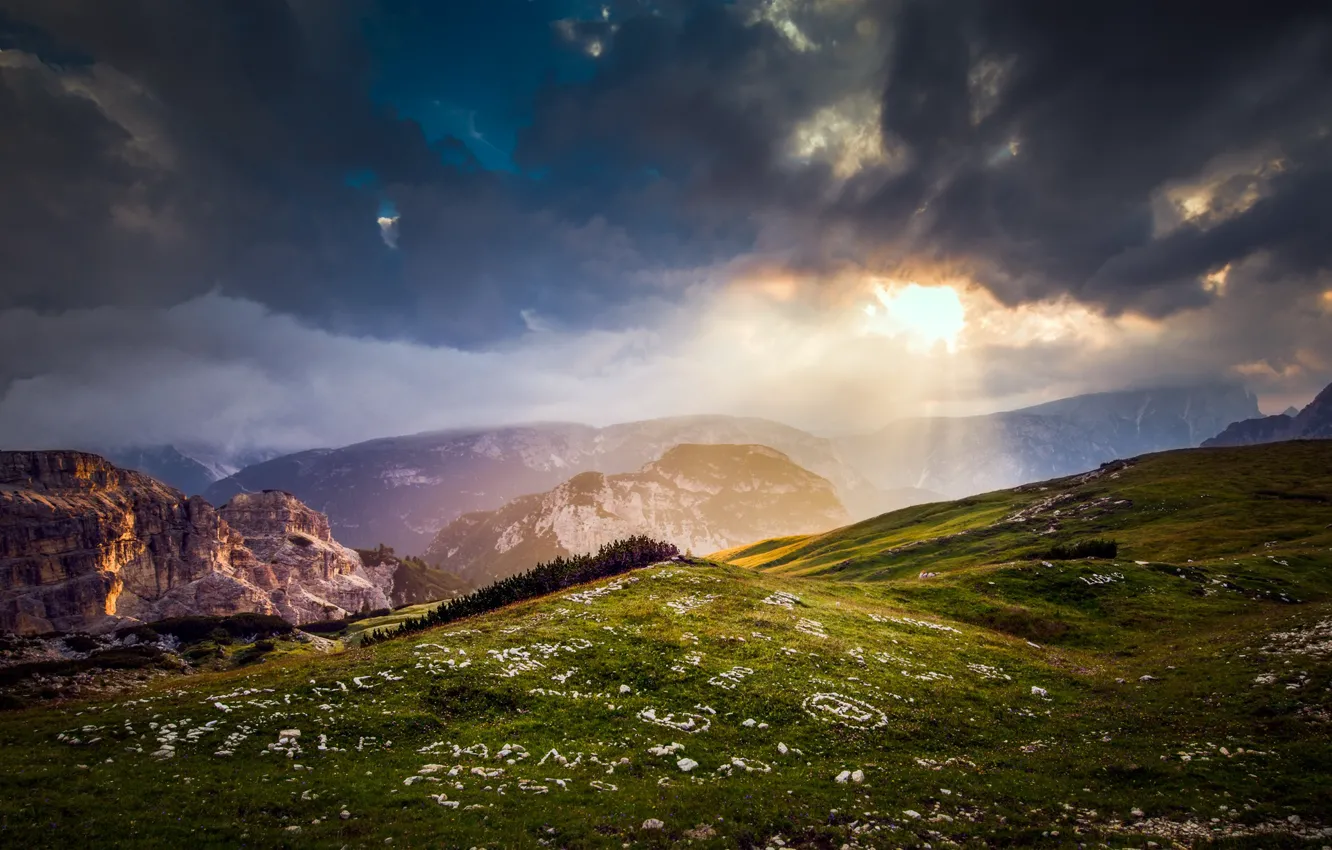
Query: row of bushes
[[613, 558], [192, 629], [330, 627], [1099, 548]]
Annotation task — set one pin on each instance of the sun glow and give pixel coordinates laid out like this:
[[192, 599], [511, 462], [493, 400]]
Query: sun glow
[[925, 315]]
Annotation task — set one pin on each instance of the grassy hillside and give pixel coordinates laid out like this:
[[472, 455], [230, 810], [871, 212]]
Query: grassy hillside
[[1002, 702], [1196, 504]]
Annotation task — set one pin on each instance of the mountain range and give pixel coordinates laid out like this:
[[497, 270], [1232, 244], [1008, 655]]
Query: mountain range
[[403, 491], [966, 455], [1314, 422], [698, 497]]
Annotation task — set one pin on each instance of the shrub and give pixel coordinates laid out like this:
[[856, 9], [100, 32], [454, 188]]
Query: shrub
[[326, 627], [81, 643], [465, 700], [1098, 548], [194, 629], [143, 632], [125, 658], [255, 652], [200, 652]]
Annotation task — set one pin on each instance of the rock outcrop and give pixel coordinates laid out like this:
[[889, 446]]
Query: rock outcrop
[[311, 575], [699, 497], [1314, 422], [85, 545]]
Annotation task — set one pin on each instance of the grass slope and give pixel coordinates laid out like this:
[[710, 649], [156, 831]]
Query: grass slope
[[995, 704], [1173, 506]]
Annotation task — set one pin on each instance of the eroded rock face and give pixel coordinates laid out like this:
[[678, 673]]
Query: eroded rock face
[[298, 558], [84, 545]]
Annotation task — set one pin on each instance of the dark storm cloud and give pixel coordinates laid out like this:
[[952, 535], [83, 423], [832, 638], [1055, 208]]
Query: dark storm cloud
[[1108, 103], [212, 143], [156, 150], [1031, 140]]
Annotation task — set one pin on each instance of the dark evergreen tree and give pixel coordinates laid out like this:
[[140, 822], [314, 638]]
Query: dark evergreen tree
[[613, 558]]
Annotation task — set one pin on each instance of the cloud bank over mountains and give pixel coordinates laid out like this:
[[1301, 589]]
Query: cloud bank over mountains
[[647, 208]]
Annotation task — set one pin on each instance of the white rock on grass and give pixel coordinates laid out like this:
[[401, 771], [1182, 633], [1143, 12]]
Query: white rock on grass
[[624, 689], [653, 823], [843, 776], [686, 764], [782, 748], [857, 776], [1039, 692]]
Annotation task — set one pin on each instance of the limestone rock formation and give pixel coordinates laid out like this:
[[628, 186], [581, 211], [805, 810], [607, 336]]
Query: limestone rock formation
[[699, 497], [85, 545], [294, 553]]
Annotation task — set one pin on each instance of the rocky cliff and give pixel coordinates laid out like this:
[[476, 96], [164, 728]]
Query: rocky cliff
[[292, 551], [1314, 422], [699, 497], [85, 545]]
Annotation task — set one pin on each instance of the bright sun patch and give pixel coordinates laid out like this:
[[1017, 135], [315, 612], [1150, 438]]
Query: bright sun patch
[[925, 315]]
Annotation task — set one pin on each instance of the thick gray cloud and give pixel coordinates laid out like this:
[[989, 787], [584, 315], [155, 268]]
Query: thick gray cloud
[[1026, 141], [161, 160]]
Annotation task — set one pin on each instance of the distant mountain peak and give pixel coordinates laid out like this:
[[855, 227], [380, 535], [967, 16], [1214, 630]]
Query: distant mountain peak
[[402, 490], [700, 497], [1314, 422], [967, 455]]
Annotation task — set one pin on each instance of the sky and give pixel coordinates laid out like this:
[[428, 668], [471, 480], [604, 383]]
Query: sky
[[268, 224]]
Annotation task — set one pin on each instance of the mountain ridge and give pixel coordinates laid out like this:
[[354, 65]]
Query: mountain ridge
[[402, 490], [694, 496], [1314, 422]]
